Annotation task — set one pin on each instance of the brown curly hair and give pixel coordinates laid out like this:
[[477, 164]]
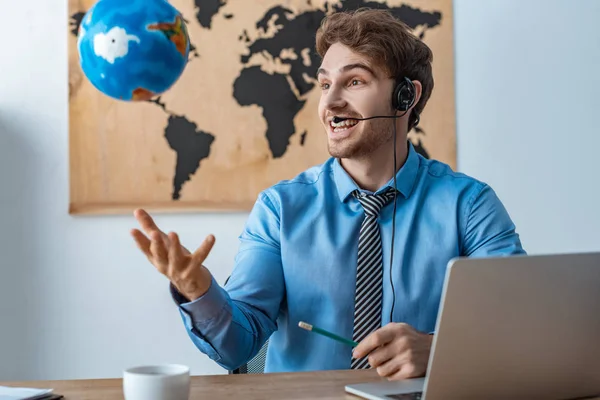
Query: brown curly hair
[[386, 41]]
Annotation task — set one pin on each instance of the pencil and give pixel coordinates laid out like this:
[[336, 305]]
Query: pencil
[[323, 332]]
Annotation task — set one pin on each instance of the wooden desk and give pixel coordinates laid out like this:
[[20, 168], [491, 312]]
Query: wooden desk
[[326, 385]]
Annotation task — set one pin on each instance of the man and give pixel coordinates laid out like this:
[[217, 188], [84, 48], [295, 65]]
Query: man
[[317, 248]]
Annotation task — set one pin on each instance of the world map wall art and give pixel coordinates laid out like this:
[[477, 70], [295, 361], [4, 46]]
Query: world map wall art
[[242, 116]]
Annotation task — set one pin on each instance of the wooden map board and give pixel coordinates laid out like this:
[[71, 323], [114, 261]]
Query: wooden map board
[[242, 116]]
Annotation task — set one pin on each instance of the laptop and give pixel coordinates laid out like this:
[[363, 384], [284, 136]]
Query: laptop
[[511, 328]]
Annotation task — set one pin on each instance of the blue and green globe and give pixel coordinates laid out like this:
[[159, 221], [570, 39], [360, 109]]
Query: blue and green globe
[[133, 50]]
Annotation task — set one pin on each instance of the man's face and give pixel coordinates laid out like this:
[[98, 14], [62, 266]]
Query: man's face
[[351, 86]]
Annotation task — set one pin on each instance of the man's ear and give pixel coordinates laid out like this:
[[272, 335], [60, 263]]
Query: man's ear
[[418, 92]]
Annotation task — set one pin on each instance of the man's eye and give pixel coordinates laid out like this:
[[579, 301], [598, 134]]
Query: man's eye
[[324, 85], [356, 82]]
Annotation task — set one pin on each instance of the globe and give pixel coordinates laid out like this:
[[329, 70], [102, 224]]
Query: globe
[[133, 50]]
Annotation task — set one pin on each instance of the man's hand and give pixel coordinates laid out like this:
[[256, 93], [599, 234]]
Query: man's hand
[[165, 252], [397, 350]]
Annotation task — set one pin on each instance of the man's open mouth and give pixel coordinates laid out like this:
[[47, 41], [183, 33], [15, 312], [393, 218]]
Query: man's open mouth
[[343, 125]]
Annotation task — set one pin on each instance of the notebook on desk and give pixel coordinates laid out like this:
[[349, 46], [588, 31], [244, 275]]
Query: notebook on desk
[[511, 327], [20, 393]]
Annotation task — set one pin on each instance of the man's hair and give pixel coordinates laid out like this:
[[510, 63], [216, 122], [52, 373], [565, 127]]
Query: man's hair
[[386, 41]]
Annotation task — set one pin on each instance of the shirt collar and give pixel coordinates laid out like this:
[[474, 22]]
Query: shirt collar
[[405, 177]]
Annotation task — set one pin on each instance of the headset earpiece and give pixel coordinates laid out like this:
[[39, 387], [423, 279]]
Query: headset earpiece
[[404, 95]]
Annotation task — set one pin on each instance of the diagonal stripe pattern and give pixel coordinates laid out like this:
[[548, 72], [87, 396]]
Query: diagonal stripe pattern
[[369, 271]]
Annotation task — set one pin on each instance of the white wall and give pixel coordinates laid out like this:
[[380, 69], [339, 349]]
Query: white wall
[[528, 102], [78, 301], [76, 297]]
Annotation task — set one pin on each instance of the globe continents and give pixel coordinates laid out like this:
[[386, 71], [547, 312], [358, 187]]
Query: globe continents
[[133, 50]]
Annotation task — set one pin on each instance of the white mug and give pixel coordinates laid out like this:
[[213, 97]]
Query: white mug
[[157, 382]]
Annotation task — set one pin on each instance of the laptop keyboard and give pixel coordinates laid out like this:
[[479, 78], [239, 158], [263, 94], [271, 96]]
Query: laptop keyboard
[[405, 396]]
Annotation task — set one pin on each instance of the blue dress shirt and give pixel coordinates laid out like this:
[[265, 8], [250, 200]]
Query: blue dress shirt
[[297, 262]]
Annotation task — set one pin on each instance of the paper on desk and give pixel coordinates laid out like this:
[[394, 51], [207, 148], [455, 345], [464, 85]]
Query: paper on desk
[[15, 393]]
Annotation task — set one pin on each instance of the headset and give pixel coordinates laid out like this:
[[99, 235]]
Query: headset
[[403, 98]]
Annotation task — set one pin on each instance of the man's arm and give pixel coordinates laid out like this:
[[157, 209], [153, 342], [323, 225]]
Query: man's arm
[[231, 325], [488, 228]]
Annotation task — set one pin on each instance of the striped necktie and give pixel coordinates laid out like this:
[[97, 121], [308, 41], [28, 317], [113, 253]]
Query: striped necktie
[[369, 271]]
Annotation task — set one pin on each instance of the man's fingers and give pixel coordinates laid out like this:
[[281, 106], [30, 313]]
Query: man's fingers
[[407, 370], [145, 220], [376, 339], [175, 255], [202, 252], [381, 355], [175, 250], [389, 368], [143, 243], [147, 223], [159, 251]]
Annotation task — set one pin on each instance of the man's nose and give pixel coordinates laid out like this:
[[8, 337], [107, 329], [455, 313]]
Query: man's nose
[[334, 99]]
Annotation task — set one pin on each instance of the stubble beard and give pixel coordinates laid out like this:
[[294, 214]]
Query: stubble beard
[[375, 133]]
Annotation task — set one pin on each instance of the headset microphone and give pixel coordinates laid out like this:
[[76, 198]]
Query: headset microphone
[[403, 98], [336, 120]]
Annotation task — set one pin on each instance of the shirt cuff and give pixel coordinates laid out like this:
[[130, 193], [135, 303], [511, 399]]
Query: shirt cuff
[[206, 307], [178, 298]]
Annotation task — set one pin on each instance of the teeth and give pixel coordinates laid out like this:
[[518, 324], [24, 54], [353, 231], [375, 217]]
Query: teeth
[[342, 124]]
